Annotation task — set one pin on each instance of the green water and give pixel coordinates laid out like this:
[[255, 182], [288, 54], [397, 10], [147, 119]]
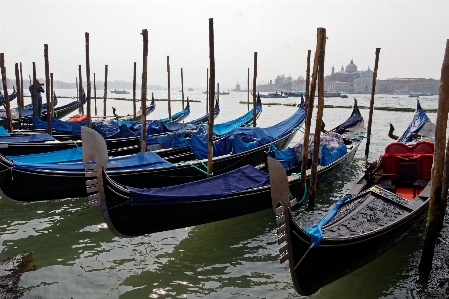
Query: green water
[[76, 256]]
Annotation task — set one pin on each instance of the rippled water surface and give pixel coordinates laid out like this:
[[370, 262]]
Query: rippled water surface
[[76, 256]]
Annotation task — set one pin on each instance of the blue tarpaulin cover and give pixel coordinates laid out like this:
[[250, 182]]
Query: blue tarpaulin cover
[[220, 147], [230, 126], [59, 125], [246, 177], [138, 161], [316, 234], [328, 156], [3, 131], [170, 140], [286, 157], [27, 138], [177, 115], [350, 122], [70, 155], [239, 146], [419, 119]]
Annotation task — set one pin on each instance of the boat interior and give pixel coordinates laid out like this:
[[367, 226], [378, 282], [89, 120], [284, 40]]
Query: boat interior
[[404, 169]]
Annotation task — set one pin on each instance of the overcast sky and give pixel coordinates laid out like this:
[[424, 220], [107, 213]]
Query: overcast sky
[[411, 34]]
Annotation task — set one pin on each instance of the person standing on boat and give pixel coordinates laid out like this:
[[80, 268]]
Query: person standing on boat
[[39, 90], [113, 111]]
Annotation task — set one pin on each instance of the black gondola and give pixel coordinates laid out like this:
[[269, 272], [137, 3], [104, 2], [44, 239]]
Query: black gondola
[[387, 203]]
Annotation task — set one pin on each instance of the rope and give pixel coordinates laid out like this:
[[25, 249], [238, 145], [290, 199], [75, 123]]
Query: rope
[[305, 189], [74, 143], [197, 168], [311, 246]]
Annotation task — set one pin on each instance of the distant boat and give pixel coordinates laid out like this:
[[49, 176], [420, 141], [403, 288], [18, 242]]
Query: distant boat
[[403, 91], [216, 93], [332, 94], [294, 94], [119, 91], [419, 94], [344, 96], [190, 89]]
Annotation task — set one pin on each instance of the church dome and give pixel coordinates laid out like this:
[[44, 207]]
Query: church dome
[[351, 67]]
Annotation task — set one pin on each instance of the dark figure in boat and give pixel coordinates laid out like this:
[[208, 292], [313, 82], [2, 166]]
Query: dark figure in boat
[[39, 90]]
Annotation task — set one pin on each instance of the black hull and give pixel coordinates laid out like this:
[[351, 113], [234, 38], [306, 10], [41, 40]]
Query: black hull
[[131, 221], [345, 255], [21, 185]]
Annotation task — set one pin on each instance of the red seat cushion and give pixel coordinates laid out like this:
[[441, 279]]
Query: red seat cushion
[[423, 147], [425, 167], [397, 147]]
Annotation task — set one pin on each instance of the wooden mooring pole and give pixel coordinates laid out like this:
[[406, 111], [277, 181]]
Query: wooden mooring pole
[[254, 89], [248, 89], [305, 147], [105, 90], [210, 149], [19, 90], [371, 107], [319, 59], [134, 92], [437, 204], [52, 95], [88, 80], [143, 98], [218, 93], [77, 89], [95, 95], [207, 91], [80, 90], [34, 98], [182, 88], [47, 88], [5, 90], [168, 88]]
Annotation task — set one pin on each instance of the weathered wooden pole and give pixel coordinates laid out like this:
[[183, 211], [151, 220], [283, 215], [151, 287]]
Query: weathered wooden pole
[[5, 89], [371, 107], [182, 88], [77, 89], [105, 90], [254, 89], [436, 201], [34, 98], [207, 91], [19, 90], [47, 88], [210, 149], [95, 95], [52, 95], [321, 46], [88, 79], [168, 88], [80, 90], [309, 110], [30, 79], [143, 97], [134, 92], [248, 89]]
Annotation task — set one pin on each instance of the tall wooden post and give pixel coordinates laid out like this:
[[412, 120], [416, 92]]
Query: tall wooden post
[[134, 93], [218, 93], [254, 89], [248, 89], [210, 137], [436, 201], [77, 89], [207, 91], [95, 95], [321, 46], [5, 89], [105, 90], [143, 98], [52, 95], [80, 90], [168, 88], [19, 90], [34, 99], [47, 88], [88, 80], [371, 107], [309, 109], [30, 79], [182, 88]]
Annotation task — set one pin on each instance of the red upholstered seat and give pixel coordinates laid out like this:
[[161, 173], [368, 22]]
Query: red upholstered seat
[[397, 147], [425, 167], [423, 147], [390, 164]]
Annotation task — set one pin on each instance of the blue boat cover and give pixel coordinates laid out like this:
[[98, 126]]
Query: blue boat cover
[[286, 157], [171, 140], [220, 147], [239, 146], [59, 125], [70, 155], [25, 138], [230, 126], [3, 131], [328, 156], [350, 122], [316, 233], [145, 160], [244, 178], [177, 115], [419, 119]]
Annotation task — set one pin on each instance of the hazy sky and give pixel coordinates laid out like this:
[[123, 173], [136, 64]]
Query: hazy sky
[[412, 35]]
